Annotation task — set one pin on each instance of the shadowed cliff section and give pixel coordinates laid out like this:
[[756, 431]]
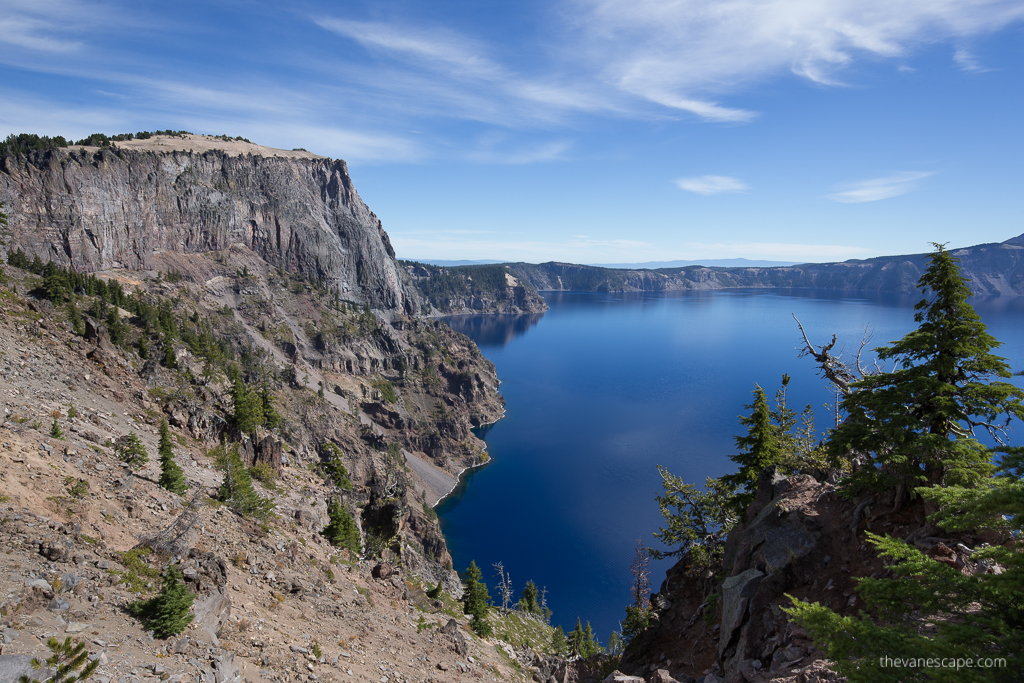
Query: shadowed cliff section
[[95, 209], [993, 269]]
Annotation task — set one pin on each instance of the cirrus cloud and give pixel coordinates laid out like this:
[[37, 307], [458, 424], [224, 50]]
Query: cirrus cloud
[[875, 189], [712, 184]]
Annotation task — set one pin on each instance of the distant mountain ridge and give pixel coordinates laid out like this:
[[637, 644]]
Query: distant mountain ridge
[[714, 263], [992, 269]]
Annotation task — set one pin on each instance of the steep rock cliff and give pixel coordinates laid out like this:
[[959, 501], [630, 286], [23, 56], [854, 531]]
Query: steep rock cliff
[[96, 209]]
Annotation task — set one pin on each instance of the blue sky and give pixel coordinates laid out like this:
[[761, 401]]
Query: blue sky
[[591, 131]]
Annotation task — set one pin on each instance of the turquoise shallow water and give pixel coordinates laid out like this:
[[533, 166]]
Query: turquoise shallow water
[[604, 387]]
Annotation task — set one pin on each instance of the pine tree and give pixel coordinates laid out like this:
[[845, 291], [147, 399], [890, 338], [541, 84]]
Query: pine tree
[[558, 642], [271, 418], [575, 640], [171, 476], [916, 424], [759, 448], [170, 358], [614, 644], [528, 600], [931, 610], [248, 407], [70, 662], [590, 646], [341, 530], [236, 490], [55, 431], [131, 450], [475, 600], [166, 614]]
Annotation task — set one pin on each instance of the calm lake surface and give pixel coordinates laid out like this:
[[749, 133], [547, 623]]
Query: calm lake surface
[[604, 387]]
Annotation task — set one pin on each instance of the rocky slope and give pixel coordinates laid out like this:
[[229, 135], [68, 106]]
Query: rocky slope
[[800, 539], [479, 289], [82, 535], [993, 269]]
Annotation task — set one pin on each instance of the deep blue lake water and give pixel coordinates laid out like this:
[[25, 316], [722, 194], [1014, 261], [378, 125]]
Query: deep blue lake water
[[604, 387]]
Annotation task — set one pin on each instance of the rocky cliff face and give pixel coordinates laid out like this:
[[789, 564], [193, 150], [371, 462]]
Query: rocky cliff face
[[96, 209], [992, 269], [799, 538]]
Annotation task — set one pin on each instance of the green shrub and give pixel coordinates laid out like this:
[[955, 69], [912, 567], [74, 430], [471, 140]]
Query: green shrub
[[167, 613], [131, 450]]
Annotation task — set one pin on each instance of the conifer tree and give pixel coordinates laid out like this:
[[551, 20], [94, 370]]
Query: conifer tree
[[171, 476], [931, 610], [170, 357], [916, 424], [759, 448], [341, 529], [248, 407], [575, 640], [70, 662], [167, 613], [271, 418], [55, 431], [558, 642], [131, 450], [590, 646], [236, 490], [528, 602], [476, 599]]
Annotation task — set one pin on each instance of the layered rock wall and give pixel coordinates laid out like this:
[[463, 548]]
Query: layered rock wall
[[96, 209]]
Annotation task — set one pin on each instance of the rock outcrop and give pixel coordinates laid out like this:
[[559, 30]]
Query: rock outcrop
[[799, 538], [98, 209]]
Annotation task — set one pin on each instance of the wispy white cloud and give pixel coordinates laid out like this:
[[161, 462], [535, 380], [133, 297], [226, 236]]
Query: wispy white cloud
[[712, 184], [966, 60], [533, 154], [676, 52], [875, 189]]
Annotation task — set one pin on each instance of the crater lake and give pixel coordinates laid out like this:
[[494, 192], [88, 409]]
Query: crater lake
[[602, 388]]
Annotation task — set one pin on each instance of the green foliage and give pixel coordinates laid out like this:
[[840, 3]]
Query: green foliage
[[697, 522], [333, 468], [341, 529], [476, 600], [25, 143], [75, 318], [636, 622], [435, 592], [72, 412], [77, 488], [264, 473], [248, 407], [271, 418], [171, 476], [167, 613], [387, 390], [131, 450], [530, 599], [70, 661], [614, 644], [55, 431], [932, 610], [915, 425], [581, 641], [236, 490], [559, 645], [170, 358], [759, 448], [138, 574]]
